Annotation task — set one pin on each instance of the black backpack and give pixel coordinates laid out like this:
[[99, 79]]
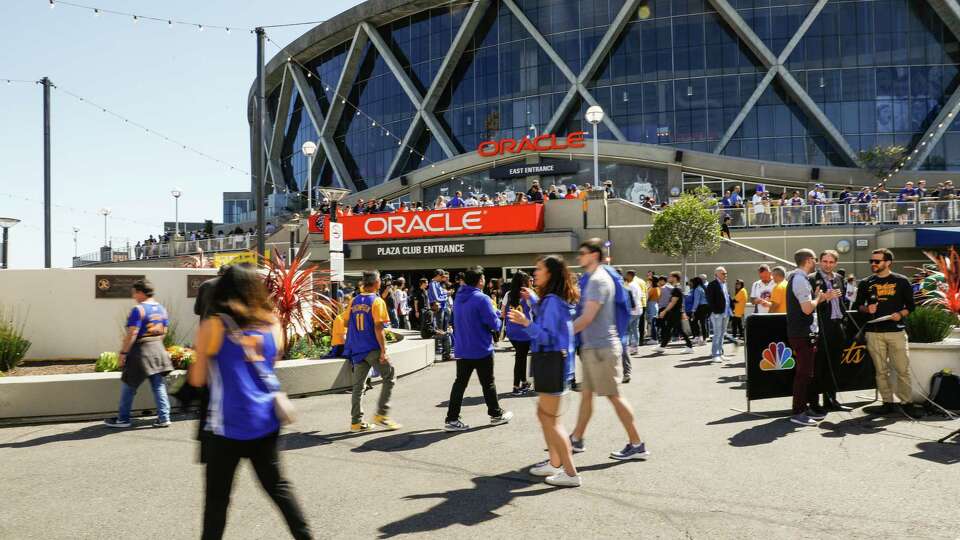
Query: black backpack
[[945, 390]]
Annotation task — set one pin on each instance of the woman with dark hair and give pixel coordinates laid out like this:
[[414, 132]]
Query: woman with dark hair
[[236, 349], [552, 341], [515, 333], [701, 309], [143, 356], [739, 303]]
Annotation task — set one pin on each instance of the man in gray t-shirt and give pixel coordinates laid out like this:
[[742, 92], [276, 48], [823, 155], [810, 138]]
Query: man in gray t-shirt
[[600, 351], [602, 332]]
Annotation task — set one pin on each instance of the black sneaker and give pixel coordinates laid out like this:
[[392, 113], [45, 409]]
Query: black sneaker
[[911, 411], [883, 410], [833, 405], [816, 413], [116, 423]]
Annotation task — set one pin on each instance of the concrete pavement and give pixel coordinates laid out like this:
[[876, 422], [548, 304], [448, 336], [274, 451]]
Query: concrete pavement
[[713, 473]]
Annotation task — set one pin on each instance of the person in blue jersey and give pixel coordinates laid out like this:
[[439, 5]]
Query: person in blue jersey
[[437, 292], [602, 317], [514, 299], [473, 349], [143, 356], [366, 347], [236, 349], [551, 332]]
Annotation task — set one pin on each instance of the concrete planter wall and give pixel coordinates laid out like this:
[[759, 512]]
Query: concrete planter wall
[[926, 359], [96, 395]]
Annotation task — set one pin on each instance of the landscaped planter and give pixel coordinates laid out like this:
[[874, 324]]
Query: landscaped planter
[[955, 334], [926, 359]]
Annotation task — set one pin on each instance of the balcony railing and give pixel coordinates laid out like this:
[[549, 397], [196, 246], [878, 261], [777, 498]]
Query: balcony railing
[[164, 250], [837, 213]]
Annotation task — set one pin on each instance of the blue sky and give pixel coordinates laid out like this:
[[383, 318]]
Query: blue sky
[[187, 84]]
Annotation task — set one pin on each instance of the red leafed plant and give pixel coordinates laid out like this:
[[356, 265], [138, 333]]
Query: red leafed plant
[[290, 285], [947, 293]]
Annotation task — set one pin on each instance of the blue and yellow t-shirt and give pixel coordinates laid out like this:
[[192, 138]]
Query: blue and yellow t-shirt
[[366, 310], [149, 318]]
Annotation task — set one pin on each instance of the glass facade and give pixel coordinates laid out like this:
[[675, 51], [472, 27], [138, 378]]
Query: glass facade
[[677, 75]]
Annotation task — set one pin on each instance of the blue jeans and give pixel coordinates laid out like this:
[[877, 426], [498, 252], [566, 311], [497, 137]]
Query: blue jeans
[[128, 392], [634, 334], [443, 343], [652, 311], [719, 322]]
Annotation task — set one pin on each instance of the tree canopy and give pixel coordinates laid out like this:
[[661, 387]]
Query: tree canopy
[[686, 227]]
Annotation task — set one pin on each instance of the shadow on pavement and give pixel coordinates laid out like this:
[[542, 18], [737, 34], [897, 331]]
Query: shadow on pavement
[[740, 381], [739, 365], [860, 425], [300, 440], [474, 505], [691, 363], [82, 434], [764, 433], [403, 441], [470, 401], [944, 454]]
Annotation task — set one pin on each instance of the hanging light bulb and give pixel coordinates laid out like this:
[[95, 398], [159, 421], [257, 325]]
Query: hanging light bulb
[[52, 5], [169, 23], [96, 12], [200, 27], [135, 18], [228, 29]]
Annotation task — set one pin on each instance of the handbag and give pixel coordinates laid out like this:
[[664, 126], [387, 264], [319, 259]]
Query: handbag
[[549, 371], [286, 412]]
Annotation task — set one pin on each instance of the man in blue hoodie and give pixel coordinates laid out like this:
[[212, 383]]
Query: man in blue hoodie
[[601, 326], [473, 349], [437, 292]]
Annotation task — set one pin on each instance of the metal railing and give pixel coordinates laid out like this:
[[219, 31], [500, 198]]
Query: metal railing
[[836, 213], [162, 250]]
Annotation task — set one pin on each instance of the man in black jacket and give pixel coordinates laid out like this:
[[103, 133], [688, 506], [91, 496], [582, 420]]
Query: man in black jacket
[[718, 297], [832, 337]]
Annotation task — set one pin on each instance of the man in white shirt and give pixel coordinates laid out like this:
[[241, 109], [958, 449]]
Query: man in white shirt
[[759, 207], [762, 289], [471, 201], [400, 301]]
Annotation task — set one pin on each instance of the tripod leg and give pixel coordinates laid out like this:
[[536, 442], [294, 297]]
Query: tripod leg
[[950, 436]]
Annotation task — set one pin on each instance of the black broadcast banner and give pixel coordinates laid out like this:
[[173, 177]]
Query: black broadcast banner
[[544, 168], [114, 286], [771, 362], [463, 248]]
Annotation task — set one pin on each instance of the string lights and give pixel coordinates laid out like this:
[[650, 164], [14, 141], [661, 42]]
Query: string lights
[[76, 210]]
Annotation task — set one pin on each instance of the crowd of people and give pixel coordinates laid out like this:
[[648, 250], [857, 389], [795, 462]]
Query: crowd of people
[[151, 247]]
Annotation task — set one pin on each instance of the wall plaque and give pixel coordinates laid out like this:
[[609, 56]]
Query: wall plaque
[[114, 286]]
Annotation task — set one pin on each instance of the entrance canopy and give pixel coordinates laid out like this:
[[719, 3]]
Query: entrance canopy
[[938, 237]]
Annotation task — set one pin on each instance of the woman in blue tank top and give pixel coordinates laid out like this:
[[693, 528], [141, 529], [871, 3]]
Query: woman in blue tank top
[[515, 333], [236, 349], [551, 332]]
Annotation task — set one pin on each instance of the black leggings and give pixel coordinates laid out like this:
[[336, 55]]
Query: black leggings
[[737, 327], [522, 350], [223, 455]]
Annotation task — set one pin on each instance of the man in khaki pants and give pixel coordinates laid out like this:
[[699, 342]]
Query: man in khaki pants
[[887, 294]]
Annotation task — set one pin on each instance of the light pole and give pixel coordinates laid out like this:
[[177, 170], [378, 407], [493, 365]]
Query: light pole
[[595, 116], [293, 226], [177, 193], [75, 232], [6, 223], [104, 212], [309, 149]]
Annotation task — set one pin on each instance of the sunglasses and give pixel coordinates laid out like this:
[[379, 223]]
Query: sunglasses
[[876, 261]]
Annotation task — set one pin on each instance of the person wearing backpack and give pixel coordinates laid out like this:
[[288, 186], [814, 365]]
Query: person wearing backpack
[[603, 314]]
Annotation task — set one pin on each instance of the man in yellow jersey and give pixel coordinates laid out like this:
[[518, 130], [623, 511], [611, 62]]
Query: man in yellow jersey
[[778, 296]]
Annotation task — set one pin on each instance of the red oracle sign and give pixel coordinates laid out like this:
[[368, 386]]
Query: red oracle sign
[[543, 143], [438, 223]]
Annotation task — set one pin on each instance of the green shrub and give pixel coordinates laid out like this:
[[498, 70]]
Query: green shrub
[[929, 324], [305, 348], [13, 346], [108, 361]]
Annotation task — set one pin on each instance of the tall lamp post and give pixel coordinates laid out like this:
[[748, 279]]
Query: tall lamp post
[[309, 149], [293, 226], [6, 223], [177, 193], [334, 195], [595, 116], [104, 212], [75, 232]]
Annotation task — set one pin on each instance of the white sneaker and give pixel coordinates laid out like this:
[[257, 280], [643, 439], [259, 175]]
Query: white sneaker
[[688, 350], [660, 350], [562, 479], [544, 469], [502, 419], [717, 359]]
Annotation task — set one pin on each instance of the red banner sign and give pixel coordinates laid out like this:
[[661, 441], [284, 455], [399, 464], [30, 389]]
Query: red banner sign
[[543, 143], [438, 223]]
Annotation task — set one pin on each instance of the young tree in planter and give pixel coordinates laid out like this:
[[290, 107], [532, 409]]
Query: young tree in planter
[[882, 160], [686, 227]]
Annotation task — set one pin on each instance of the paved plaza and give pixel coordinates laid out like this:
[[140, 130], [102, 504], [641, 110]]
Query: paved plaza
[[713, 472]]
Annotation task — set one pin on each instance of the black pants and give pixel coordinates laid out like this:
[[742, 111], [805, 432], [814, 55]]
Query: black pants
[[643, 324], [830, 348], [736, 327], [521, 349], [484, 367], [669, 327], [702, 315], [223, 456]]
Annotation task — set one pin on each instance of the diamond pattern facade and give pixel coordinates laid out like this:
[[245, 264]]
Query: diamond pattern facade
[[798, 81]]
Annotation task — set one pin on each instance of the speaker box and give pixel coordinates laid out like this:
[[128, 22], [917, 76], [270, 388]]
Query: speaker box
[[815, 173], [404, 181], [678, 157]]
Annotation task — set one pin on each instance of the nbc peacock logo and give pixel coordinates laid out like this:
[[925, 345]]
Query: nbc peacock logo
[[777, 357]]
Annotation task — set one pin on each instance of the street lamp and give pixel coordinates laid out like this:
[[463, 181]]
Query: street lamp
[[293, 226], [176, 192], [6, 223], [309, 149], [595, 116], [104, 212], [334, 195], [75, 232]]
